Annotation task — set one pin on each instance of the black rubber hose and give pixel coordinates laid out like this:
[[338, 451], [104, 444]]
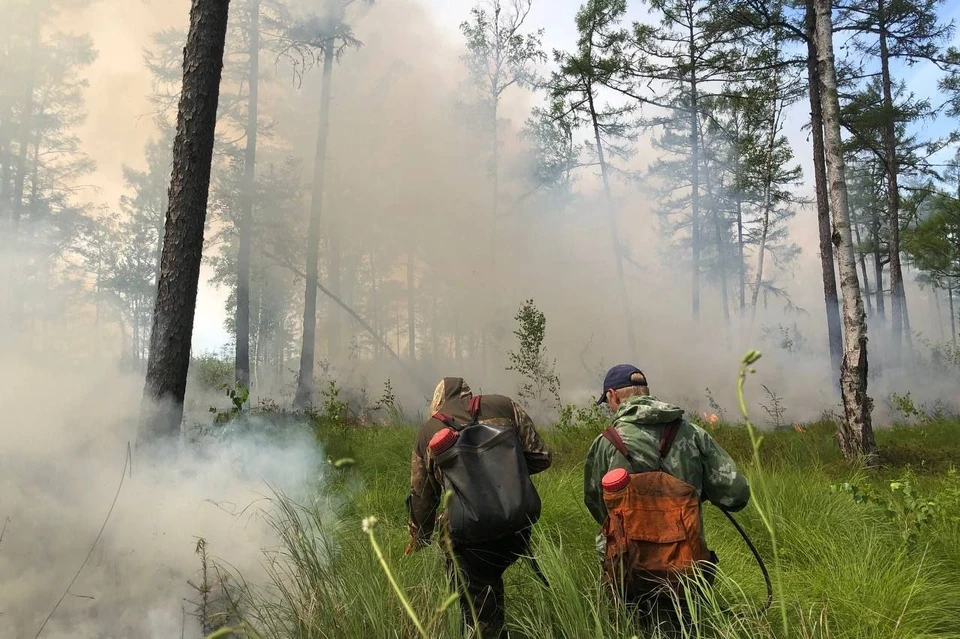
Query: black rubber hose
[[753, 549]]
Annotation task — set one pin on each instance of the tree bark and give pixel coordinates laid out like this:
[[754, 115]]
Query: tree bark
[[308, 347], [830, 296], [855, 432], [897, 297], [245, 223], [614, 235], [170, 337]]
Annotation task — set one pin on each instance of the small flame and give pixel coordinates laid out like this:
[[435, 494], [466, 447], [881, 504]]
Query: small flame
[[800, 429]]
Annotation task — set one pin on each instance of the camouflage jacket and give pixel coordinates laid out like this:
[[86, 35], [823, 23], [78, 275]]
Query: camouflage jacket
[[426, 482], [694, 457]]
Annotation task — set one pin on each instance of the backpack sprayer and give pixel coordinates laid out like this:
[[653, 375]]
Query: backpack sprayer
[[493, 494], [652, 490], [496, 460]]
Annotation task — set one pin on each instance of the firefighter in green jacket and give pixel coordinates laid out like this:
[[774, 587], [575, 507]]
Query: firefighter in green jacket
[[694, 456]]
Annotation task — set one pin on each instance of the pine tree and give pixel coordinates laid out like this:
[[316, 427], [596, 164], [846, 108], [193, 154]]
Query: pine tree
[[172, 328], [691, 55], [575, 91], [892, 30], [331, 35]]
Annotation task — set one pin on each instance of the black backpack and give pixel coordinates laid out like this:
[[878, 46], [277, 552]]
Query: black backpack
[[487, 473]]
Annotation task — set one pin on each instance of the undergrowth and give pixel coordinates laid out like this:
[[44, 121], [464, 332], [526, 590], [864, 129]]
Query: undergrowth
[[855, 553]]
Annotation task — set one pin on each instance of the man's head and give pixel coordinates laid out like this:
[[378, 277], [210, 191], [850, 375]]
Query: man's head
[[622, 381], [448, 388]]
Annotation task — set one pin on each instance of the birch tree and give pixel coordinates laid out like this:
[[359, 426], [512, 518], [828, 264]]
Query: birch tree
[[855, 433]]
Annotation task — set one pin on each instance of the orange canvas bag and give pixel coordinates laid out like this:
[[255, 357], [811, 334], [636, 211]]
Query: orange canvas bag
[[653, 526]]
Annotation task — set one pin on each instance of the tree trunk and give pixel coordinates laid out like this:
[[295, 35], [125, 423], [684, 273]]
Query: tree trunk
[[855, 433], [878, 266], [411, 306], [254, 370], [26, 124], [897, 297], [863, 269], [614, 235], [767, 193], [694, 174], [718, 237], [245, 223], [953, 318], [830, 296], [176, 299], [743, 264], [761, 255], [308, 347]]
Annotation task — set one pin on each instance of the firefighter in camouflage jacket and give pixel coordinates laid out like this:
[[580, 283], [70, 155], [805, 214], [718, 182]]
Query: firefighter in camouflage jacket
[[481, 567]]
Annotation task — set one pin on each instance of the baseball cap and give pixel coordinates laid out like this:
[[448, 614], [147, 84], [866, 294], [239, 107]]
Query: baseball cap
[[621, 376]]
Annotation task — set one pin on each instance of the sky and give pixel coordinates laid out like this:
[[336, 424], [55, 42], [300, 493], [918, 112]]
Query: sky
[[119, 86]]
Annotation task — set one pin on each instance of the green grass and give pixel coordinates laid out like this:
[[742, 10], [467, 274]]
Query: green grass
[[847, 569]]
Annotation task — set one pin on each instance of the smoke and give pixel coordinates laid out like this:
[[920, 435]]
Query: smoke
[[408, 173], [65, 437]]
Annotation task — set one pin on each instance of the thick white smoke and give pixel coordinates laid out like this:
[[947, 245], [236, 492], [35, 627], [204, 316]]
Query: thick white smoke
[[64, 439]]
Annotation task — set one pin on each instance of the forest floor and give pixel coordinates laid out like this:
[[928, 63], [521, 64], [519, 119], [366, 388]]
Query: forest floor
[[879, 559]]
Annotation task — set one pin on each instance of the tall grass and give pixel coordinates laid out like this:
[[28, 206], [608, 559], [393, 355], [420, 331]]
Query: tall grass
[[844, 569]]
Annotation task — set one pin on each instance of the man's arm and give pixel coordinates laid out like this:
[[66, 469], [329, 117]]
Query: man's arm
[[724, 485], [594, 468], [535, 451], [422, 502]]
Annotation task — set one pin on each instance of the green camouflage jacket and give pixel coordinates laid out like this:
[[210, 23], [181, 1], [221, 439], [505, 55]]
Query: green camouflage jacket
[[426, 482], [694, 457]]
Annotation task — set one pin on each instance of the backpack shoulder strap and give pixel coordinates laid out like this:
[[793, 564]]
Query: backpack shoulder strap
[[666, 441], [612, 436], [474, 408], [447, 420]]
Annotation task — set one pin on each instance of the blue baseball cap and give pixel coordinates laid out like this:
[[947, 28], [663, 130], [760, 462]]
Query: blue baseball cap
[[621, 376]]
